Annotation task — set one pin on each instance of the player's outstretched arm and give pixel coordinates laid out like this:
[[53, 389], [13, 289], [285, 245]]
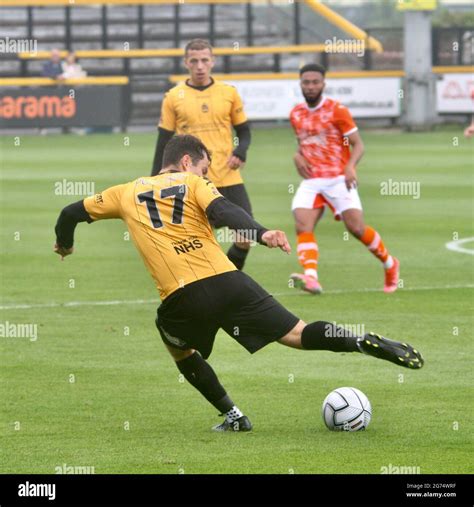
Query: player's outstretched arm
[[69, 217], [222, 213], [101, 206]]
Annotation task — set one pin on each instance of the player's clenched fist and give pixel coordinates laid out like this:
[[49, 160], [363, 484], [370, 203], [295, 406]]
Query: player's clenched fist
[[275, 239], [235, 162], [63, 252]]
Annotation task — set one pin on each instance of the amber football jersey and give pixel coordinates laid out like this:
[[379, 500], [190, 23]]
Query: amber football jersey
[[208, 114], [321, 131], [166, 217]]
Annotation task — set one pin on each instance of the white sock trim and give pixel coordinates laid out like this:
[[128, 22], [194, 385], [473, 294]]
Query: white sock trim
[[375, 242], [233, 414], [388, 263]]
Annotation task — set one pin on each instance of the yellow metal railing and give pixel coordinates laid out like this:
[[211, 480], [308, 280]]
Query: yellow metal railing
[[174, 78], [453, 69], [160, 53], [344, 25], [47, 81], [323, 10]]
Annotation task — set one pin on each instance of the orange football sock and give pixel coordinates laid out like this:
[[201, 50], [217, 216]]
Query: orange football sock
[[374, 243], [308, 253]]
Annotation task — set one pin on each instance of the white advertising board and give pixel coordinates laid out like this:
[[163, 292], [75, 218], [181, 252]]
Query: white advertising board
[[365, 97], [455, 93]]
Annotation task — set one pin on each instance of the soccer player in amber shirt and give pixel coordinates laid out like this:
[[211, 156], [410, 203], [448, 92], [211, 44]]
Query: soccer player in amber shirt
[[169, 217], [325, 129], [210, 110]]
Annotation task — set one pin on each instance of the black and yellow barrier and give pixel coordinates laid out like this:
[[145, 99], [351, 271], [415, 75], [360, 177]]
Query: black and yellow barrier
[[83, 102]]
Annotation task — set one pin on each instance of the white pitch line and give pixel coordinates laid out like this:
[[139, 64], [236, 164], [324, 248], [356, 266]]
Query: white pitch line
[[81, 303], [294, 292], [367, 289], [455, 246]]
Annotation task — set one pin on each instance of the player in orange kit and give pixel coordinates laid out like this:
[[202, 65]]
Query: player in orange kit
[[325, 129]]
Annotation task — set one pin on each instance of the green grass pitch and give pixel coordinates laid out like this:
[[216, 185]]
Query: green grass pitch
[[98, 389]]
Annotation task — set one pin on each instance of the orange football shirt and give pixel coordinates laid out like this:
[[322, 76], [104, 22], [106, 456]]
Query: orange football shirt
[[321, 132]]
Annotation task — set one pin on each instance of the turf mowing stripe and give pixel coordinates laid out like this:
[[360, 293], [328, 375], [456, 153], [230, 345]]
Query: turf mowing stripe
[[156, 301]]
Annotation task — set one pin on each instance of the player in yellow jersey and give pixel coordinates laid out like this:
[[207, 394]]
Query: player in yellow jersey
[[169, 217], [210, 110]]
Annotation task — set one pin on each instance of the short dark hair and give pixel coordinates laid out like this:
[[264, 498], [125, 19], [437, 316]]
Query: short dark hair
[[197, 44], [312, 67], [181, 145]]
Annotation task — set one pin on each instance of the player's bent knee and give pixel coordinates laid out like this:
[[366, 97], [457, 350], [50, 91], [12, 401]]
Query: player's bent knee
[[356, 230], [303, 226], [354, 222], [355, 227], [178, 354], [306, 219], [300, 230], [293, 338]]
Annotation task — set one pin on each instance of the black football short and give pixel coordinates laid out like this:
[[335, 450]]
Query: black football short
[[237, 194], [190, 317]]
